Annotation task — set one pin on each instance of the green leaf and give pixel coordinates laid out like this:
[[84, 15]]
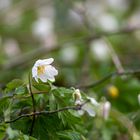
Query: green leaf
[[2, 131], [46, 127], [69, 135], [21, 90], [4, 104], [52, 102], [42, 87], [14, 84]]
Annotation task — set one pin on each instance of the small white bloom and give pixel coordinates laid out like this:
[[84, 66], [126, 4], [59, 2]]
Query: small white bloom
[[93, 101], [107, 22], [86, 107], [106, 109], [99, 50], [43, 70], [77, 95], [42, 27], [89, 108], [69, 53]]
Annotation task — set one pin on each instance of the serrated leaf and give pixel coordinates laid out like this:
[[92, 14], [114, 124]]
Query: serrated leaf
[[46, 127], [69, 135]]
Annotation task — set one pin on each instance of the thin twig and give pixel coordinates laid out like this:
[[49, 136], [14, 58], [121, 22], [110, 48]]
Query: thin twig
[[33, 103], [114, 57], [107, 77], [78, 107]]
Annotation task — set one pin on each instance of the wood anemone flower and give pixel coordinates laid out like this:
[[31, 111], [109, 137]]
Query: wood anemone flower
[[44, 71]]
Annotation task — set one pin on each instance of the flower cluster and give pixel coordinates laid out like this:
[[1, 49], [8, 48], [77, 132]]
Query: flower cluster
[[88, 107]]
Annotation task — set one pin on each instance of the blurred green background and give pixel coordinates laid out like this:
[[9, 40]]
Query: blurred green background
[[88, 40]]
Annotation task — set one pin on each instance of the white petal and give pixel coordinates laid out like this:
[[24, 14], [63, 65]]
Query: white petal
[[50, 72], [51, 79], [93, 101], [89, 109], [43, 62], [34, 71], [43, 77], [36, 78], [48, 61]]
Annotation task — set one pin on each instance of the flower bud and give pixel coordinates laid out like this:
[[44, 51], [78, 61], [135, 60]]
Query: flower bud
[[77, 97], [106, 109]]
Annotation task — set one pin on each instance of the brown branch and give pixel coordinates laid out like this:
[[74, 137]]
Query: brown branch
[[33, 103], [107, 77], [78, 107]]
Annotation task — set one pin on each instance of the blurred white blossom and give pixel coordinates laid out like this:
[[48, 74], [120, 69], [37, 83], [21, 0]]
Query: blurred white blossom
[[107, 22], [11, 48], [42, 27], [4, 4], [99, 50], [134, 20], [120, 5], [44, 71], [69, 53]]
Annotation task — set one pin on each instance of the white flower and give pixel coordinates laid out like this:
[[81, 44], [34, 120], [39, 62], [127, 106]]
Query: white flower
[[85, 107], [43, 70], [89, 108], [93, 101], [43, 27], [99, 50]]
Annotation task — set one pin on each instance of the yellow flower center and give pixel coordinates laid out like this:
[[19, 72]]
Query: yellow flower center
[[40, 70]]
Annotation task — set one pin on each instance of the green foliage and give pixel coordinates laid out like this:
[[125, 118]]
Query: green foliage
[[14, 84], [57, 126]]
